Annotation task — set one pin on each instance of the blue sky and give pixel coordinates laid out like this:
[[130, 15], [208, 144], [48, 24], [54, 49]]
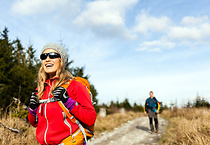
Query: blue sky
[[127, 47]]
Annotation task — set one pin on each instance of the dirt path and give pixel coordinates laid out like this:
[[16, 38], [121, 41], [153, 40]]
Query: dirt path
[[135, 132]]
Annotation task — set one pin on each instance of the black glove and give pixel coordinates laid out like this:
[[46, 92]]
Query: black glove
[[34, 103], [61, 94]]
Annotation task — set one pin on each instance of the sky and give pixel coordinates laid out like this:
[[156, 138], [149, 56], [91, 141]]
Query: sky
[[128, 47]]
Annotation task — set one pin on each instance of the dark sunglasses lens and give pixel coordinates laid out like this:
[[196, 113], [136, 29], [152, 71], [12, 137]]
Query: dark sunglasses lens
[[51, 55], [43, 56], [54, 55]]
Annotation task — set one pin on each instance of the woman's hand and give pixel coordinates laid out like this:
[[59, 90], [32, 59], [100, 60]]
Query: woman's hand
[[61, 93], [33, 103]]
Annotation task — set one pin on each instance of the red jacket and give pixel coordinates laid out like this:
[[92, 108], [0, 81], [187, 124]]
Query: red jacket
[[52, 125]]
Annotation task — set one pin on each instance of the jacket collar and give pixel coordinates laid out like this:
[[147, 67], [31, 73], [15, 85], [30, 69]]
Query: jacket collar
[[51, 81]]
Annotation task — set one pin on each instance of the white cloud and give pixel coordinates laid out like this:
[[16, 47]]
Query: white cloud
[[200, 33], [149, 49], [194, 30], [185, 33], [191, 31], [146, 23], [106, 17], [194, 21], [156, 45], [191, 28], [29, 7]]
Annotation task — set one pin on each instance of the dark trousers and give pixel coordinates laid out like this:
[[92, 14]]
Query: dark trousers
[[151, 124], [152, 115]]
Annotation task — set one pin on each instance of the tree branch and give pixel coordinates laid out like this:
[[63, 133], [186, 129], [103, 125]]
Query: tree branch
[[12, 129]]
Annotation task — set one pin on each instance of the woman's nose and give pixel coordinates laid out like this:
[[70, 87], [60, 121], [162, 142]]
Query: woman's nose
[[47, 59]]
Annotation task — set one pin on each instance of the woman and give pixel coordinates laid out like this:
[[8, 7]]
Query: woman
[[53, 127]]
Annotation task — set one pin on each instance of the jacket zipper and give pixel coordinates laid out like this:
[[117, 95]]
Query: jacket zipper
[[45, 114], [45, 134]]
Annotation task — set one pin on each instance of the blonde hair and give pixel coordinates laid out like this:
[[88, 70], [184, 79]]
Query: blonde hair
[[62, 74]]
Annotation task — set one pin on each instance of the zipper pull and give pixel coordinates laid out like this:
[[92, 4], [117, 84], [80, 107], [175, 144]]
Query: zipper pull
[[40, 108]]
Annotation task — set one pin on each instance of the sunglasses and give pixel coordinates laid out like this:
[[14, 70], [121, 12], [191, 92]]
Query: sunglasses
[[52, 55]]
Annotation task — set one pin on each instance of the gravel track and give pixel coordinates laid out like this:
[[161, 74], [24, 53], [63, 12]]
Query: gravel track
[[135, 132]]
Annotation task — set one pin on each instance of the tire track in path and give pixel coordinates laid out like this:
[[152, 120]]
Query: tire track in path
[[135, 132]]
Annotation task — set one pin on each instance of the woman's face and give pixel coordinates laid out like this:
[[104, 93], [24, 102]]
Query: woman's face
[[51, 65]]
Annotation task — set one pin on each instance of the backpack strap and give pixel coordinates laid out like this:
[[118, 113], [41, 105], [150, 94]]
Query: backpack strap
[[145, 106], [66, 85], [155, 99], [66, 111], [68, 114], [48, 100], [158, 104]]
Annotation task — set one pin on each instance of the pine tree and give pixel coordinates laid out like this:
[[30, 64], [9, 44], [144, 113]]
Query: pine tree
[[126, 104], [6, 64], [17, 74]]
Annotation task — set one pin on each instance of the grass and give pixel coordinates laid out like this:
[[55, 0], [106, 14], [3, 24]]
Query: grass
[[187, 126], [8, 137], [28, 136]]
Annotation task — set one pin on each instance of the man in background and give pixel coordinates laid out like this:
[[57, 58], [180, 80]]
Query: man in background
[[151, 108]]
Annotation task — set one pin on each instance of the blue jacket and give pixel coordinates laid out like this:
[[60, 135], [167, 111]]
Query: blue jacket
[[151, 104]]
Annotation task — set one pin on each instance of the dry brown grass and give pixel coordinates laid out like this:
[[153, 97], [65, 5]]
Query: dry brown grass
[[28, 136], [187, 126], [8, 137], [112, 121]]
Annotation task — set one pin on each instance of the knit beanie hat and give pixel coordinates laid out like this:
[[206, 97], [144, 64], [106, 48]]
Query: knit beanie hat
[[59, 49]]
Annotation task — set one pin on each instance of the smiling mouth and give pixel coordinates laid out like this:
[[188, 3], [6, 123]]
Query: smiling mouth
[[49, 65]]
